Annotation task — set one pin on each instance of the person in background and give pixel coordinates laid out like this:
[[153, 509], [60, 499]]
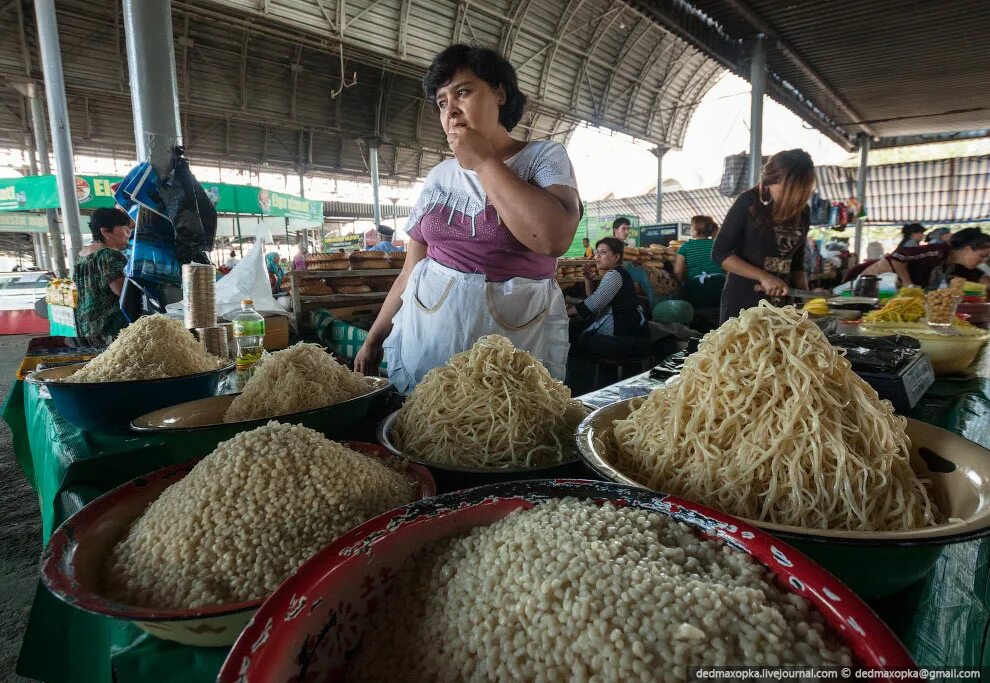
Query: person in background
[[620, 230], [99, 276], [911, 235], [232, 261], [484, 234], [874, 251], [275, 271], [299, 260], [762, 240], [929, 265], [385, 245], [938, 235], [588, 251], [615, 314], [700, 277]]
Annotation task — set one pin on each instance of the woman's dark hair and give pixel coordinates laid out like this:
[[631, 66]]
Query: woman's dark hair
[[974, 238], [911, 229], [794, 171], [705, 226], [487, 65], [614, 245], [106, 218]]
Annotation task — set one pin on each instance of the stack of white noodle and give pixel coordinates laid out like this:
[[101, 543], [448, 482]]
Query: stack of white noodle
[[492, 406], [769, 422]]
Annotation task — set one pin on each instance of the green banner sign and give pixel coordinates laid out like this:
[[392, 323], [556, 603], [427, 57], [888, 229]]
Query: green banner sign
[[346, 242], [41, 192], [23, 222], [35, 193]]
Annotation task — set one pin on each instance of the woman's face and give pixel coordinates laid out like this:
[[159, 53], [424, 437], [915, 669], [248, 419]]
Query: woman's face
[[467, 101], [605, 258], [116, 238], [970, 258]]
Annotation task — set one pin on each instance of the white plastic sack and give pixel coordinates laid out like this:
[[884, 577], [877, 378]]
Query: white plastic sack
[[247, 280]]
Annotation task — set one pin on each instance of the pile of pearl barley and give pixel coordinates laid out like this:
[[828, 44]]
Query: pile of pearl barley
[[573, 591], [247, 516]]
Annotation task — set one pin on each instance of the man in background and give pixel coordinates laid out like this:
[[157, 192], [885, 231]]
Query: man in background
[[385, 244], [620, 230], [232, 261]]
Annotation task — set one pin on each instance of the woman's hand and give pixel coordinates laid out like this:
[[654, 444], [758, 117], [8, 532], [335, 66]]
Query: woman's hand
[[772, 285], [590, 271], [368, 358], [571, 311], [470, 147]]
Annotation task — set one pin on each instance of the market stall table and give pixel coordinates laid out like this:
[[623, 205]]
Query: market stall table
[[943, 620]]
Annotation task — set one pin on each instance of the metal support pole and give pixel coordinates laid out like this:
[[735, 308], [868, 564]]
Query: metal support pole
[[240, 239], [56, 250], [373, 166], [863, 171], [658, 152], [758, 81], [58, 114], [302, 183], [154, 90]]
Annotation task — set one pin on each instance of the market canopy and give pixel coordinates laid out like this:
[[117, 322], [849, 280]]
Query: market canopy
[[307, 85], [34, 193], [900, 72]]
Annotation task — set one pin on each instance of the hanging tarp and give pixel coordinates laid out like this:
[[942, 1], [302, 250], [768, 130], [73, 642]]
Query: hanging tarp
[[35, 193]]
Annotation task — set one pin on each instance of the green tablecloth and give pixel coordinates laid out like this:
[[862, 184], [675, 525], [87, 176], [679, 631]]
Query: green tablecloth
[[943, 621]]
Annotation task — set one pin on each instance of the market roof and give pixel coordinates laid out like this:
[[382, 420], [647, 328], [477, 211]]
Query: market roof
[[261, 82], [903, 71], [938, 191]]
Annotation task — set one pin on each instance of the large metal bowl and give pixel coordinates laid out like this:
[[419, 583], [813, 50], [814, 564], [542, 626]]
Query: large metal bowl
[[451, 477], [72, 563], [200, 422], [873, 564], [110, 406]]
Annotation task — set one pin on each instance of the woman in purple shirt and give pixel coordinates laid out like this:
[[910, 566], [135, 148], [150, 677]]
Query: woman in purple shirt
[[485, 233]]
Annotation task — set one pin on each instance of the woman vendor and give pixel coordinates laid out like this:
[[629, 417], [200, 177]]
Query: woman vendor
[[761, 242], [485, 232], [617, 318], [701, 278], [99, 276], [930, 264]]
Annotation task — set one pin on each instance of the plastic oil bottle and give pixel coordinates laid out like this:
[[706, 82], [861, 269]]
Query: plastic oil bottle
[[249, 334]]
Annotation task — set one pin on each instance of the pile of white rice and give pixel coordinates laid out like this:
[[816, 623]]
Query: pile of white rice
[[301, 377], [573, 591], [152, 347], [247, 516]]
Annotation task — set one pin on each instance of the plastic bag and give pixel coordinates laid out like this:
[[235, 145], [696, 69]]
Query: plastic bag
[[247, 280]]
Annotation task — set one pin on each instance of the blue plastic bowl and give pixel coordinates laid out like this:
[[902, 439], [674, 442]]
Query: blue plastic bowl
[[110, 406]]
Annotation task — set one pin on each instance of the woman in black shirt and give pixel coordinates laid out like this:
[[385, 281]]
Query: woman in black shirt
[[762, 240]]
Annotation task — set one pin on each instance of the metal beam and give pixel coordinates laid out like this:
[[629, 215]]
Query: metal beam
[[758, 80], [404, 10], [58, 114], [758, 23], [373, 167], [243, 73], [154, 90], [861, 176], [57, 252]]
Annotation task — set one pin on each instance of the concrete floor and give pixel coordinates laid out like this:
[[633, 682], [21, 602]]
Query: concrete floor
[[20, 528]]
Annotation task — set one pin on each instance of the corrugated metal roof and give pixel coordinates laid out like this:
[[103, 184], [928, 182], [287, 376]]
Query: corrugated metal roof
[[255, 76], [941, 191], [884, 67]]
